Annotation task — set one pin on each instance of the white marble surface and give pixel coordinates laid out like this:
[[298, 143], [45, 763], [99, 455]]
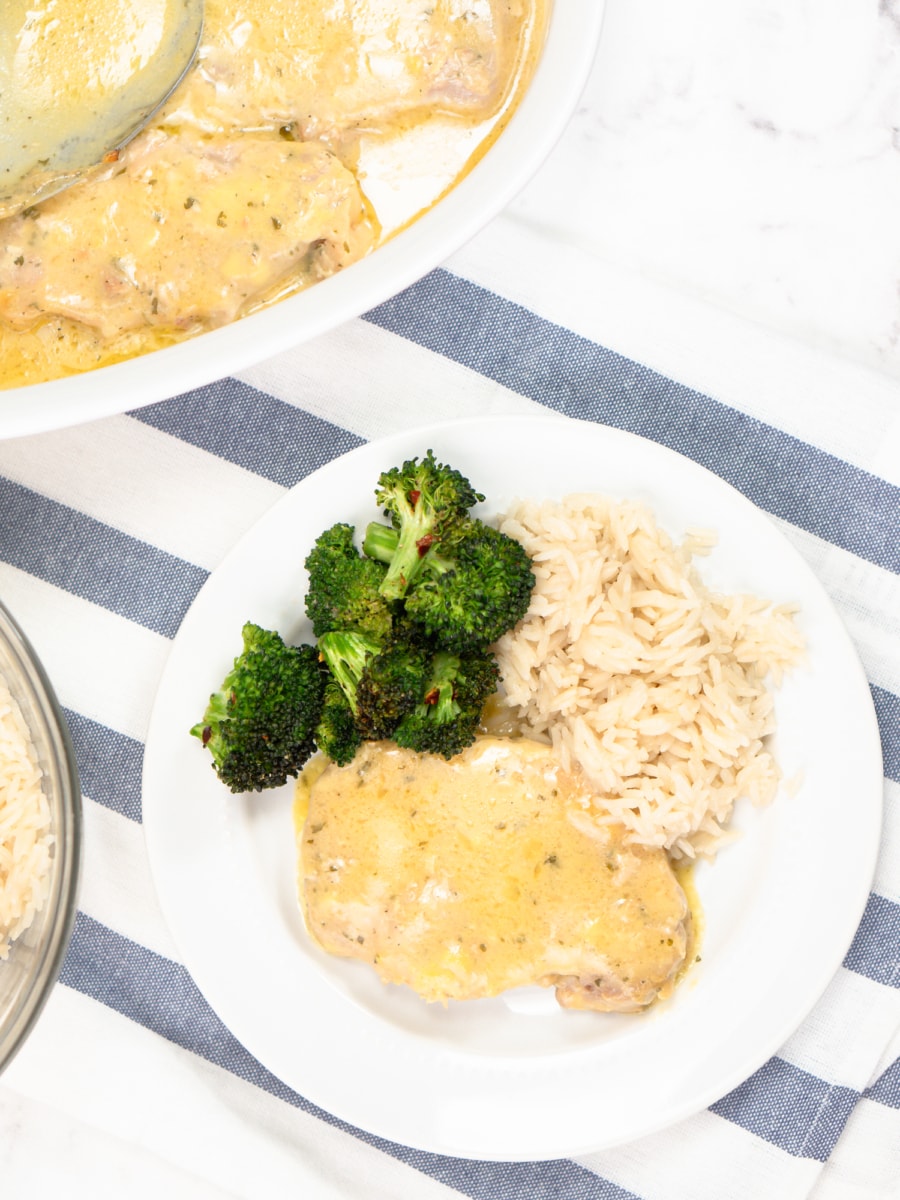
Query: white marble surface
[[743, 154], [747, 153]]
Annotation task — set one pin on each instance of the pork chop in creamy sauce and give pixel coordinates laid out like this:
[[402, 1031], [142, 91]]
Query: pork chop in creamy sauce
[[248, 185], [465, 878], [192, 231], [327, 70]]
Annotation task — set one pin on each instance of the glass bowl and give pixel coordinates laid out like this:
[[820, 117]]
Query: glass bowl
[[28, 974]]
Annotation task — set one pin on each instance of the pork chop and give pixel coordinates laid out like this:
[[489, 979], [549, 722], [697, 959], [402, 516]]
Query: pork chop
[[462, 879], [322, 69], [255, 213]]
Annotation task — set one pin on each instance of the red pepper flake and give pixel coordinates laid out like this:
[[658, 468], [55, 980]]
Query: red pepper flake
[[433, 696], [414, 498], [111, 156], [424, 544]]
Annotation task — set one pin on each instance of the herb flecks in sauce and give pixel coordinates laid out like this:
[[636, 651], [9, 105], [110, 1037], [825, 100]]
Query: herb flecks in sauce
[[289, 110]]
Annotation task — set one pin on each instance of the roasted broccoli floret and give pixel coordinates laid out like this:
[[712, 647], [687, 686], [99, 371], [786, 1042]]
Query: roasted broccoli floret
[[425, 500], [346, 653], [259, 727], [447, 718], [337, 733], [343, 591], [390, 686], [380, 683], [470, 591], [404, 627]]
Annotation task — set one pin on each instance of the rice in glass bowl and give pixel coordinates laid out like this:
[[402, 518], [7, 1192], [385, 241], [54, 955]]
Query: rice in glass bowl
[[40, 837]]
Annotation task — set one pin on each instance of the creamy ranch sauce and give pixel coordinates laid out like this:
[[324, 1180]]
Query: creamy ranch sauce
[[208, 215], [466, 878]]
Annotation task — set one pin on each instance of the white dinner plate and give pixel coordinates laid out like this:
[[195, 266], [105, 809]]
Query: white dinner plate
[[516, 1077]]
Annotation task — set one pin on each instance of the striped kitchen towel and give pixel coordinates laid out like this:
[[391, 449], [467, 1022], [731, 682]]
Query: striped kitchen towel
[[130, 1083]]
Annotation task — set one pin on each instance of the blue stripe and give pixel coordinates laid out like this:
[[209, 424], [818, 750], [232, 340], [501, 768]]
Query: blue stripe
[[160, 995], [517, 1181], [887, 709], [83, 556], [886, 1088], [531, 356], [796, 1111], [109, 765], [247, 427], [875, 951]]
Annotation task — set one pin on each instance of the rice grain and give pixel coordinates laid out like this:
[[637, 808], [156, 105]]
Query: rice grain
[[658, 688], [25, 838]]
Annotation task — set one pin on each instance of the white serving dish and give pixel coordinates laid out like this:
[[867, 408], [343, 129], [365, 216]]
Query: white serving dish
[[561, 73]]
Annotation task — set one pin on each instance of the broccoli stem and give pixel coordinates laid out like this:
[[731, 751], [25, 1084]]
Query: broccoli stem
[[402, 550], [382, 543], [439, 696], [346, 655]]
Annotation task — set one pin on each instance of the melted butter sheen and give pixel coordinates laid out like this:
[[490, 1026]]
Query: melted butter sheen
[[463, 879]]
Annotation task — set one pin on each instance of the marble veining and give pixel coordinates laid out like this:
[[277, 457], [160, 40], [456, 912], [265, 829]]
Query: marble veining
[[748, 153]]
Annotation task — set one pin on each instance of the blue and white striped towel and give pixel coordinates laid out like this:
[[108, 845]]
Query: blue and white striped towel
[[130, 1084]]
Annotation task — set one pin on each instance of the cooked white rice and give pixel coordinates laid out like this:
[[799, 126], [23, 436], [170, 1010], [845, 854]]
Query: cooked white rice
[[25, 838], [658, 688]]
